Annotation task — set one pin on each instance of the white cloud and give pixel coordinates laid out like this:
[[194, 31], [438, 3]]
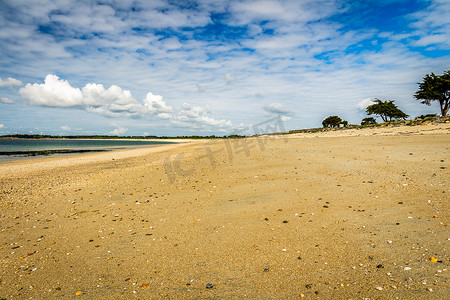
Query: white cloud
[[277, 108], [66, 128], [197, 117], [154, 104], [118, 131], [168, 16], [115, 102], [1, 126], [433, 39], [431, 27], [6, 100], [249, 11], [53, 92], [164, 116], [362, 105], [112, 102], [10, 82], [95, 18]]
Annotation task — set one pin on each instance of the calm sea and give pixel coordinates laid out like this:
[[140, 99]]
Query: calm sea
[[10, 146]]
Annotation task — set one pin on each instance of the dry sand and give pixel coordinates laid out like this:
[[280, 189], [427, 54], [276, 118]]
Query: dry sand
[[343, 215]]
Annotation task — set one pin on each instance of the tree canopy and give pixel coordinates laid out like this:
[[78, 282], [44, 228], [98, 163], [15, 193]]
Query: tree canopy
[[332, 121], [369, 121], [435, 88], [387, 110]]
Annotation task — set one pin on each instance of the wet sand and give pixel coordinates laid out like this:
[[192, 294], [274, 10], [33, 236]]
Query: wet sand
[[342, 214]]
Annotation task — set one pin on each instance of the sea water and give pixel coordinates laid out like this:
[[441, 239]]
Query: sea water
[[10, 147]]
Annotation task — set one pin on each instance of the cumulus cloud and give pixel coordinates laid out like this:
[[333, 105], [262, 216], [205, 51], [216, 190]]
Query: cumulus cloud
[[10, 82], [1, 126], [154, 104], [112, 102], [362, 105], [164, 116], [65, 128], [56, 92], [115, 102], [53, 92], [6, 100], [118, 131]]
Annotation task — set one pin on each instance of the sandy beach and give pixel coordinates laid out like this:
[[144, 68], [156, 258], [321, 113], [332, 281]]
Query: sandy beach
[[352, 214]]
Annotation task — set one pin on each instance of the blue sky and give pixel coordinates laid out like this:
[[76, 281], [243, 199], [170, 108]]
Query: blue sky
[[172, 67]]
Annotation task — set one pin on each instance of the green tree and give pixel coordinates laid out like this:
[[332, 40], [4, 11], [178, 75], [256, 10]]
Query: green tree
[[369, 121], [332, 121], [387, 110], [435, 88]]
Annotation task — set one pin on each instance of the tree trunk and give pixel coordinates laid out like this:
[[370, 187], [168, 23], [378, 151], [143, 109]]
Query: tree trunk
[[445, 105]]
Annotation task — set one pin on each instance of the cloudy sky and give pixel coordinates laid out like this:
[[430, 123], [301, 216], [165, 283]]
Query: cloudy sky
[[175, 67]]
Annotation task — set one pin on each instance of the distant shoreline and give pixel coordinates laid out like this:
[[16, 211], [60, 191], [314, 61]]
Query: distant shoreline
[[49, 152], [16, 149], [395, 123]]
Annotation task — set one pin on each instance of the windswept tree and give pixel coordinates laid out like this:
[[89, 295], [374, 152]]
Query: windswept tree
[[435, 88], [369, 121], [387, 110], [332, 121]]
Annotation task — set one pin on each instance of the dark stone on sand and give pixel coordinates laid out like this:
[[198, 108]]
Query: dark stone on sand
[[380, 266], [285, 221], [209, 286], [266, 269]]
